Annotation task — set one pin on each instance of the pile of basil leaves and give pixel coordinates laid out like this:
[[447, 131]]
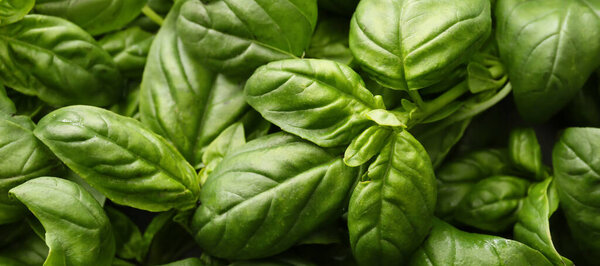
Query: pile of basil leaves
[[299, 132]]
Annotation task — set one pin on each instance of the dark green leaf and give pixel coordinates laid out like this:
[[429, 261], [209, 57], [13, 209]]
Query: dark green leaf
[[129, 49], [22, 157], [58, 62], [183, 101], [235, 37], [447, 245], [95, 16], [550, 48], [576, 168]]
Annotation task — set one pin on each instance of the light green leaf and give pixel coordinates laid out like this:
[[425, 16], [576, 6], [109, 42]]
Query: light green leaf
[[412, 44], [120, 157], [391, 209], [69, 215], [14, 10], [319, 100], [269, 194]]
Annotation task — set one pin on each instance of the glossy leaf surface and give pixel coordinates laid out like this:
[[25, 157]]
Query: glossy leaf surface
[[123, 159], [267, 195], [391, 208], [319, 100]]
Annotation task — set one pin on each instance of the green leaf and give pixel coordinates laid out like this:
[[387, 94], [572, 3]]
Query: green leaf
[[533, 225], [457, 177], [183, 101], [162, 248], [319, 100], [72, 176], [6, 104], [330, 40], [186, 262], [269, 194], [391, 209], [447, 245], [366, 145], [95, 16], [28, 250], [485, 72], [58, 62], [412, 44], [525, 152], [384, 118], [120, 157], [550, 48], [228, 141], [130, 104], [576, 168], [236, 37], [77, 229], [129, 49], [439, 138], [12, 11], [22, 157], [492, 203], [128, 238]]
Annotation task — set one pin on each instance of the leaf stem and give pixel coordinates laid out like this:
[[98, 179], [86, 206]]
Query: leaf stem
[[447, 97], [416, 97], [152, 15]]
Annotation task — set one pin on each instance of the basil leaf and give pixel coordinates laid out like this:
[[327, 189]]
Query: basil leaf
[[556, 51], [6, 104], [366, 145], [22, 157], [391, 209], [279, 189], [14, 10], [457, 177], [330, 40], [129, 49], [492, 204], [577, 174], [121, 158], [183, 101], [525, 152], [95, 16], [128, 238], [319, 100], [230, 139], [447, 245], [412, 44], [235, 37], [58, 62], [533, 225], [68, 214], [28, 250], [439, 138]]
